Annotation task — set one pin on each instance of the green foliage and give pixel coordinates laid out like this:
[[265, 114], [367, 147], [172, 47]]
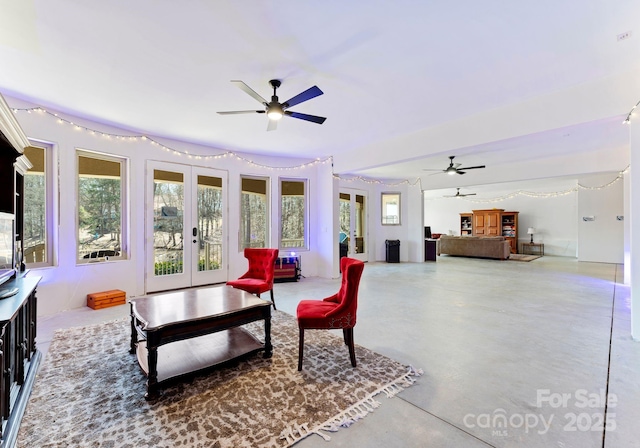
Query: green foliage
[[176, 267], [168, 267]]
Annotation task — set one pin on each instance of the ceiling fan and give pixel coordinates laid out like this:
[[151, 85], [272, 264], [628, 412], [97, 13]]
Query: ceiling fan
[[458, 195], [453, 168], [274, 109]]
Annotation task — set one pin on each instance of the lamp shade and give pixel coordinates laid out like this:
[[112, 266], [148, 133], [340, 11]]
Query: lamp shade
[[531, 231]]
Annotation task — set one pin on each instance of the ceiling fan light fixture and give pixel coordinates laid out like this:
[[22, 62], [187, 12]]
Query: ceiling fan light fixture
[[275, 112]]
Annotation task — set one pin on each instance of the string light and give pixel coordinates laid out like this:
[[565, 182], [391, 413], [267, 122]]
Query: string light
[[174, 151], [370, 181], [317, 161], [628, 119], [533, 194]]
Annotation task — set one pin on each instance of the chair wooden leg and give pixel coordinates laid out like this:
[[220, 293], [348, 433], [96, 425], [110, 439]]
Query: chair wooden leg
[[273, 300], [300, 349], [348, 338]]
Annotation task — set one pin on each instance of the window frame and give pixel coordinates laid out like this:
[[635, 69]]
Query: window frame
[[388, 198], [267, 236], [51, 215], [305, 182], [124, 204]]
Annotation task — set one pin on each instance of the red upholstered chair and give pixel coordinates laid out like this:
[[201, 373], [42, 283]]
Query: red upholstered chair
[[259, 276], [335, 312]]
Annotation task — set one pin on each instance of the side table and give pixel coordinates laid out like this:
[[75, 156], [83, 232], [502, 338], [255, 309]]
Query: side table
[[533, 248], [430, 249]]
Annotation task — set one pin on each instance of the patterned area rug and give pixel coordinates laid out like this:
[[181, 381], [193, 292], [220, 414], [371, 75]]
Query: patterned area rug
[[90, 392]]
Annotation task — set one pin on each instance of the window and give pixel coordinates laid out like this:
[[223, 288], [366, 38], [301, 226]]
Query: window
[[254, 228], [293, 212], [38, 207], [390, 209], [101, 199]]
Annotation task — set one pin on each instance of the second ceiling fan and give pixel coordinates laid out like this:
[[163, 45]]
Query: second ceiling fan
[[459, 195], [453, 168], [274, 109]]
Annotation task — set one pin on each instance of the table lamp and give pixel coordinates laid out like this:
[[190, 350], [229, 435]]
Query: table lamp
[[531, 231]]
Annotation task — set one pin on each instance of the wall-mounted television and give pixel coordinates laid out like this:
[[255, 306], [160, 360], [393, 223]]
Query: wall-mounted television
[[7, 247]]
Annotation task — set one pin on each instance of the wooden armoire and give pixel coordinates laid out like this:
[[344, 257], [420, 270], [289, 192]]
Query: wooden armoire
[[497, 222]]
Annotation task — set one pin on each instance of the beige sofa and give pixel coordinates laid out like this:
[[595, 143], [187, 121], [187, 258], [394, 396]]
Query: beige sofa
[[475, 246]]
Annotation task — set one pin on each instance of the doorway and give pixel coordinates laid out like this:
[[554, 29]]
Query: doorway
[[186, 234], [353, 224]]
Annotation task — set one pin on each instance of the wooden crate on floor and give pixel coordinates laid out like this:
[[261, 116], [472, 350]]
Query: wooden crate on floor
[[287, 269], [105, 299]]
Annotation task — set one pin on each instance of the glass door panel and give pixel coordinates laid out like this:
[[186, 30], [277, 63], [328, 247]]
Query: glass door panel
[[185, 234], [353, 219], [168, 223], [209, 235]]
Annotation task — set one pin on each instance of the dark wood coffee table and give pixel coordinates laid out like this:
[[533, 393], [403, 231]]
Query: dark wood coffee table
[[185, 332]]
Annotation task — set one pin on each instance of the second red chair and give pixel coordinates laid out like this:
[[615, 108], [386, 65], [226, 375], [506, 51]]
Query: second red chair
[[259, 276], [335, 312]]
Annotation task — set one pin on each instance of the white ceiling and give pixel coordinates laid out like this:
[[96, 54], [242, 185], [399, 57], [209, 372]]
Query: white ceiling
[[530, 90]]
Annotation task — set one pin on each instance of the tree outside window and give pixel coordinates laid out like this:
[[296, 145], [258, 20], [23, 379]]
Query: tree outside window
[[293, 204], [100, 204], [37, 206], [254, 229]]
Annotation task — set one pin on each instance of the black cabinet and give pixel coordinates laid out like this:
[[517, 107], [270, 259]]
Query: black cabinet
[[19, 357], [430, 249]]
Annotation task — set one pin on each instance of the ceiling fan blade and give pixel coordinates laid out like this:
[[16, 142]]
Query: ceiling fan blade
[[472, 167], [273, 125], [313, 118], [308, 94], [250, 91], [232, 112]]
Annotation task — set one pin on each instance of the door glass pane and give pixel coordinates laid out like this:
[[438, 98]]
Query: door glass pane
[[99, 208], [209, 223], [168, 213], [360, 223], [345, 218]]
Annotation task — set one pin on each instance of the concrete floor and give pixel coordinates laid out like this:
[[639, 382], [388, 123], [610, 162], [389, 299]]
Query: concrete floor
[[514, 354]]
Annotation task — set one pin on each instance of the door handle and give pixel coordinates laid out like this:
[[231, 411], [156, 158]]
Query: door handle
[[195, 234]]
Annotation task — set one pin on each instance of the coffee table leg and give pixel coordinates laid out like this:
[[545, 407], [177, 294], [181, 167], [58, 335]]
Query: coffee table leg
[[134, 333], [152, 376], [268, 348]]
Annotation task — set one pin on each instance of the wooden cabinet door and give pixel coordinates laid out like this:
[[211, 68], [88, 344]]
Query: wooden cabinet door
[[486, 223], [492, 224], [478, 224]]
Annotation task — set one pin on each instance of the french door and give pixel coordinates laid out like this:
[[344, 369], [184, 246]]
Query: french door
[[186, 231], [353, 223]]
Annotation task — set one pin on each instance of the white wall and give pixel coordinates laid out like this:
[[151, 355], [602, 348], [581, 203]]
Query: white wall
[[66, 284], [553, 218], [556, 218], [601, 240], [410, 231]]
